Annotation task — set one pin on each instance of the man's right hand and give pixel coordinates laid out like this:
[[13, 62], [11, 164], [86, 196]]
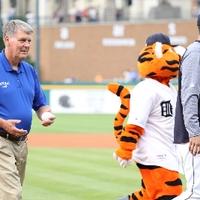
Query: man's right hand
[[194, 145], [10, 127]]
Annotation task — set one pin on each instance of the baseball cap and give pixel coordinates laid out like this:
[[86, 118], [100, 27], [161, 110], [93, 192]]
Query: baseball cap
[[159, 37], [198, 20]]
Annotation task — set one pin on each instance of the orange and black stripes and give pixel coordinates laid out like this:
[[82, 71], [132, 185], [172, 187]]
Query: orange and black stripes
[[124, 95], [127, 137], [158, 60], [167, 185]]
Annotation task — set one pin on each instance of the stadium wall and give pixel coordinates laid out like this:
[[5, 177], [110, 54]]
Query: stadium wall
[[84, 51], [81, 99]]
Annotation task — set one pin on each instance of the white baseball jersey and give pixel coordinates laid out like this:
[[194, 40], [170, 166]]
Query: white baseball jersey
[[152, 107]]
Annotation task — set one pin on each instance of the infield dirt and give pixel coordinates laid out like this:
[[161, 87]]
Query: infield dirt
[[69, 140]]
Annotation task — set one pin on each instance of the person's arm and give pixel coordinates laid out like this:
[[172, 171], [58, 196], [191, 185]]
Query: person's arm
[[10, 127], [45, 115], [190, 91], [40, 106]]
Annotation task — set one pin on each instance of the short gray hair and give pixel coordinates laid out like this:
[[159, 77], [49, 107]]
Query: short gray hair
[[11, 27]]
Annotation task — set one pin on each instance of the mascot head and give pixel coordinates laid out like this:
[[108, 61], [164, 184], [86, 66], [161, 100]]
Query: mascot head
[[158, 59]]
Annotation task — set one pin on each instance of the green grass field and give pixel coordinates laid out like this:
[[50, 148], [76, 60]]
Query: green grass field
[[77, 174], [73, 123]]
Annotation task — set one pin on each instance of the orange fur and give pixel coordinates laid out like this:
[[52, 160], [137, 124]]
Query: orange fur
[[158, 183], [128, 136], [165, 67]]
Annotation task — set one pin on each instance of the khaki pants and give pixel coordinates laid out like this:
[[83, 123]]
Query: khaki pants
[[13, 156]]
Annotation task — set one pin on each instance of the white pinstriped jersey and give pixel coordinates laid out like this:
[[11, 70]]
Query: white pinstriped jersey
[[152, 107]]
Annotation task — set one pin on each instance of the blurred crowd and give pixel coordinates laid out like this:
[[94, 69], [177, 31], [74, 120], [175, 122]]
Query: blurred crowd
[[76, 11]]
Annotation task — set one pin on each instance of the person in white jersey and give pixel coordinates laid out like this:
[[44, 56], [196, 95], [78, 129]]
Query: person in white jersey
[[147, 137]]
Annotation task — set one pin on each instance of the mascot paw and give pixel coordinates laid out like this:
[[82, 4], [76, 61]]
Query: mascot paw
[[122, 162], [124, 154]]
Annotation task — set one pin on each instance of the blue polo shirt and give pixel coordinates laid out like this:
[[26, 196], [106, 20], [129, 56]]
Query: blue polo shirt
[[20, 92]]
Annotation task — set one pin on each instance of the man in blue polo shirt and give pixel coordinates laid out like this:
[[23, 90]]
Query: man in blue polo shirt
[[20, 92]]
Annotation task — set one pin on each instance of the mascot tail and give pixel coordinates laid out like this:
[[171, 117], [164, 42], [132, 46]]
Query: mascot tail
[[122, 113]]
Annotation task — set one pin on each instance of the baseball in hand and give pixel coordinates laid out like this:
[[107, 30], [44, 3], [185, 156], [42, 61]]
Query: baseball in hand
[[47, 116]]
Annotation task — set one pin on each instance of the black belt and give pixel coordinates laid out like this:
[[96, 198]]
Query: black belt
[[10, 137]]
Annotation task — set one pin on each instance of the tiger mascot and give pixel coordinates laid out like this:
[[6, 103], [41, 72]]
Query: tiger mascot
[[147, 137]]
